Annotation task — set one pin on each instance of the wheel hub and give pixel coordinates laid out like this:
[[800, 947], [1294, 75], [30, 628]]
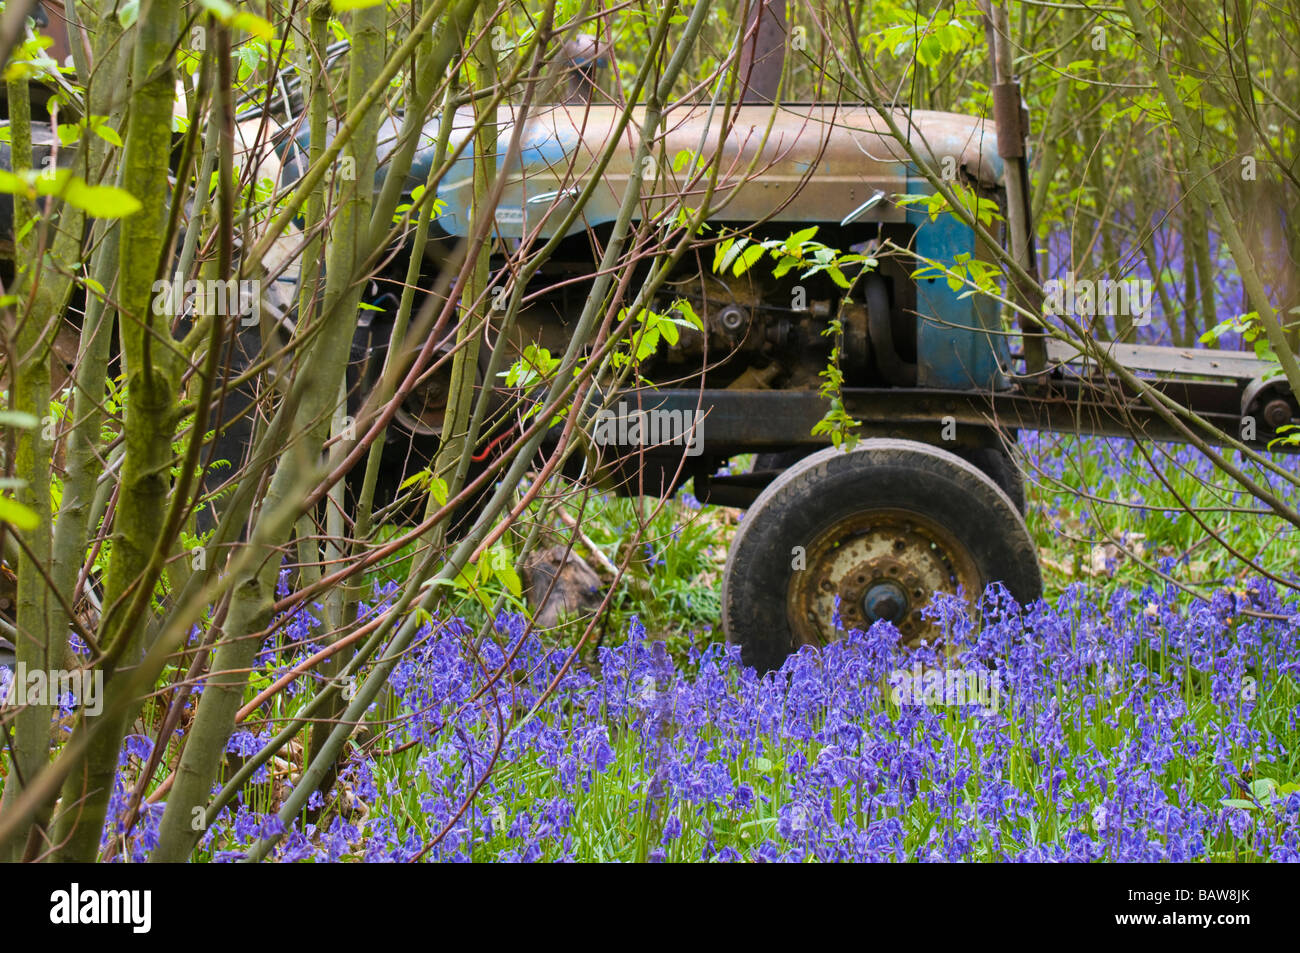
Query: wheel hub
[[879, 565], [885, 600], [425, 407]]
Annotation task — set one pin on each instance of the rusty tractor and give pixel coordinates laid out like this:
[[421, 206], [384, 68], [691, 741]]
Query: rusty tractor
[[929, 499]]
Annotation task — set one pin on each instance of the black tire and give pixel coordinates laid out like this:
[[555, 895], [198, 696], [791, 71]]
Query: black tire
[[998, 466], [995, 463], [907, 492], [778, 461]]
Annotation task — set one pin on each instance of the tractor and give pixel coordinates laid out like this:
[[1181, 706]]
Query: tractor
[[928, 499]]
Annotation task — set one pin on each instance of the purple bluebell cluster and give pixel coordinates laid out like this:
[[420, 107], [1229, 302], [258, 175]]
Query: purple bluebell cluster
[[1063, 252], [1075, 478], [1139, 728]]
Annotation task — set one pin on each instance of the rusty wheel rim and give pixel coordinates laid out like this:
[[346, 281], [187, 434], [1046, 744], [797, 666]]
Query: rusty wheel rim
[[425, 407], [882, 564]]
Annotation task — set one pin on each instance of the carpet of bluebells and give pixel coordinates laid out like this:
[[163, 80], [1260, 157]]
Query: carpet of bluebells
[[1143, 728], [1097, 502]]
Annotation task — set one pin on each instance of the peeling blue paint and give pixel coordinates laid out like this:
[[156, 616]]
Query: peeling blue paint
[[544, 151], [959, 344]]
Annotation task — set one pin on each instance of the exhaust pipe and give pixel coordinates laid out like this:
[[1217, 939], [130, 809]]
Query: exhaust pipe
[[762, 51]]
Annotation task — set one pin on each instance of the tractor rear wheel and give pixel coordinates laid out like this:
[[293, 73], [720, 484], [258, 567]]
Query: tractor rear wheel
[[1000, 467], [994, 461], [879, 529]]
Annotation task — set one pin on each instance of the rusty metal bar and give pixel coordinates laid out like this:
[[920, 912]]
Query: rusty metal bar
[[1012, 125], [740, 421]]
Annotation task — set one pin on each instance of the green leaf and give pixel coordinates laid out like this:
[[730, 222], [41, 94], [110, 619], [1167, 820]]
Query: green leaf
[[647, 343], [1237, 802], [1264, 789], [796, 240], [688, 313], [18, 515], [507, 576], [721, 252], [929, 51], [108, 134], [13, 183], [747, 259], [419, 478], [669, 331], [952, 35], [253, 24], [783, 266], [18, 418], [99, 201]]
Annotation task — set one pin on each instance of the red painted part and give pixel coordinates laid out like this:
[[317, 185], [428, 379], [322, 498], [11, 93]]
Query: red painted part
[[480, 457]]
